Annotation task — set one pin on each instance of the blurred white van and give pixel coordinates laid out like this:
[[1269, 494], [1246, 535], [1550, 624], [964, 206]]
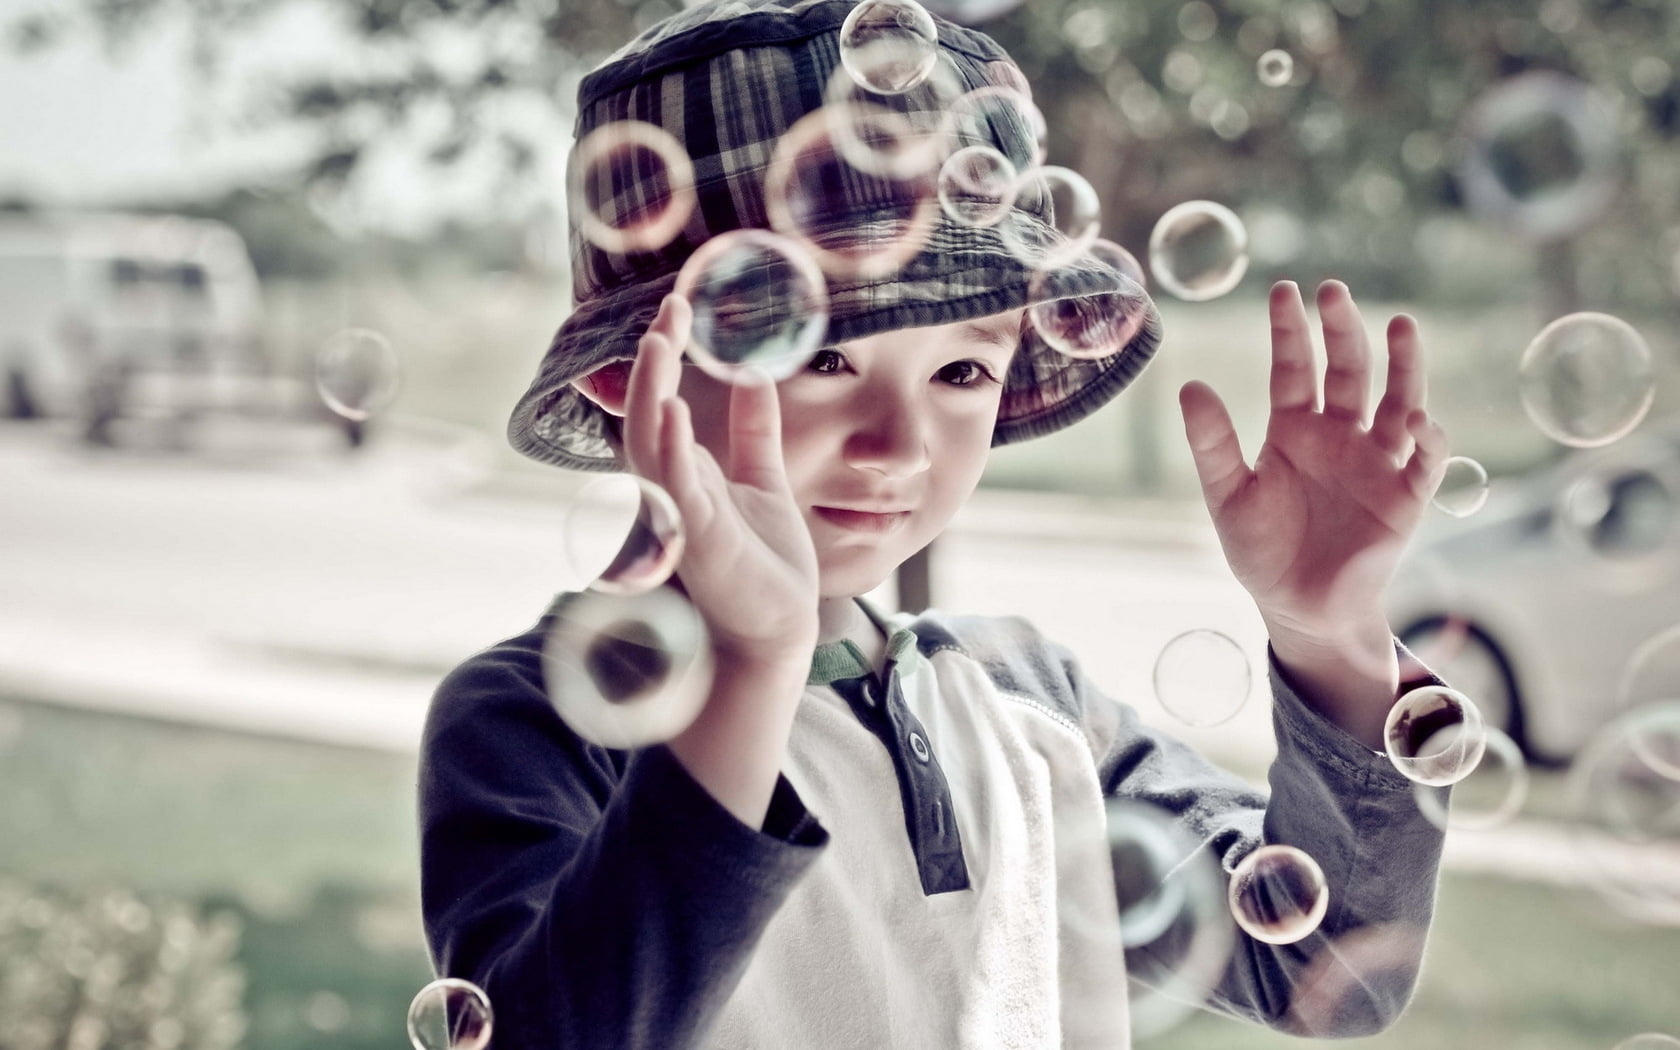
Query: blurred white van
[[106, 313]]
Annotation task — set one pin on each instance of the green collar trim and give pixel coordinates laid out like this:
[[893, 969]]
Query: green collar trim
[[834, 661]]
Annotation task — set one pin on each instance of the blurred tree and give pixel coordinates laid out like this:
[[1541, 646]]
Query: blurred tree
[[1346, 168]]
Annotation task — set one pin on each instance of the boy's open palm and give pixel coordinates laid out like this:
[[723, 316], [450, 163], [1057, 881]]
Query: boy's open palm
[[1315, 529], [749, 566]]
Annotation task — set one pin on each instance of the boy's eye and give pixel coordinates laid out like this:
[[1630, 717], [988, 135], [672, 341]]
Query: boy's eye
[[826, 360], [964, 373]]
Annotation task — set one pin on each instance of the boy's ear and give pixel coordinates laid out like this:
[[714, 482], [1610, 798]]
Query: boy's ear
[[607, 386]]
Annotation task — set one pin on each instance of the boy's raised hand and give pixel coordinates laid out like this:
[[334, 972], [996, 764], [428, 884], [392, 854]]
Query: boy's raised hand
[[749, 566], [1315, 529]]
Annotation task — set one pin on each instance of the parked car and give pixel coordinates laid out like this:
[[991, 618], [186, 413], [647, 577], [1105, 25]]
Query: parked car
[[1558, 603], [106, 314]]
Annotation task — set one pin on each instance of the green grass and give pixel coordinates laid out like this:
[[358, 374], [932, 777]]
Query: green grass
[[313, 849]]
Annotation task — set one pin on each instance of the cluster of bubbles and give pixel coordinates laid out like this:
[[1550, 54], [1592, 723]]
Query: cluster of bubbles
[[450, 1014]]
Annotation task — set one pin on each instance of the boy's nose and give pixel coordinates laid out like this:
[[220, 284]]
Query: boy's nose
[[890, 438]]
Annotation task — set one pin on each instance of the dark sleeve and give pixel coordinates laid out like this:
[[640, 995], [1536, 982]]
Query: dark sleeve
[[600, 898], [1330, 796]]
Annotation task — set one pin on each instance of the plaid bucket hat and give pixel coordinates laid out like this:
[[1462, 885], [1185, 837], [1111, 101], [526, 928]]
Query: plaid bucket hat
[[727, 79]]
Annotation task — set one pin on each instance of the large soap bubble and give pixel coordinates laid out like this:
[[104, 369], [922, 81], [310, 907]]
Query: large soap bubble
[[1624, 796], [1278, 894], [1069, 203], [1587, 379], [1541, 155], [856, 222], [626, 671], [1199, 250], [450, 1014], [630, 186], [1490, 796], [1089, 326], [759, 301], [977, 186]]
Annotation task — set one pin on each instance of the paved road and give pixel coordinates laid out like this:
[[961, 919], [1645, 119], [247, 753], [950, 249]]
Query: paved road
[[286, 587]]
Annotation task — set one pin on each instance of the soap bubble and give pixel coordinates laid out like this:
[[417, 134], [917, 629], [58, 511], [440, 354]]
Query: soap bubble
[[1202, 678], [1346, 974], [1089, 326], [1001, 117], [623, 533], [856, 223], [1176, 928], [1540, 155], [1652, 675], [1463, 489], [1434, 735], [627, 670], [1491, 795], [449, 1014], [759, 301], [977, 186], [356, 373], [1275, 67], [1144, 851], [1068, 202], [1624, 795], [1199, 250], [1278, 894], [630, 186], [904, 135], [1587, 379], [889, 46], [1627, 516]]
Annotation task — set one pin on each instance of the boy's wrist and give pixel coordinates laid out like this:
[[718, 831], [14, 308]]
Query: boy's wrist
[[1350, 674]]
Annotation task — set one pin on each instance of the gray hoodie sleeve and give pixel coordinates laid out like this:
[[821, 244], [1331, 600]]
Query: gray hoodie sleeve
[[601, 898], [1330, 796]]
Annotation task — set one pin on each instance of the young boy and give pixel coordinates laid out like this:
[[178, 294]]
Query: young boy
[[890, 833]]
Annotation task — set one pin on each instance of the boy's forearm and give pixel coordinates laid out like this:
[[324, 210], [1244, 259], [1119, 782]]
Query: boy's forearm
[[1351, 676], [736, 747]]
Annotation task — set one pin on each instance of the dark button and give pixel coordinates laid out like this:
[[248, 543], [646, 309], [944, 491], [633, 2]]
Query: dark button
[[919, 746]]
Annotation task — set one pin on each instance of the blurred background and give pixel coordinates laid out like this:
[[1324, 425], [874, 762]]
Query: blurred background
[[224, 603]]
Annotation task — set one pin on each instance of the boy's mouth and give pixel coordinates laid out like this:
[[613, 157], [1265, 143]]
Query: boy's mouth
[[863, 520]]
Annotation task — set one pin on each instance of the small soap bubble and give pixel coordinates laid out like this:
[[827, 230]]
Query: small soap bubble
[[1463, 489], [1175, 928], [624, 534], [856, 223], [1624, 797], [356, 373], [759, 301], [1202, 678], [1199, 250], [1278, 894], [1003, 118], [889, 46], [1541, 155], [1063, 198], [1587, 379], [1434, 735], [627, 670], [1490, 796], [450, 1014], [1275, 67], [976, 186], [630, 186]]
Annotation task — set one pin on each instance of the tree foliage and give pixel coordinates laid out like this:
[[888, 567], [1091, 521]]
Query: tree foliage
[[1350, 165]]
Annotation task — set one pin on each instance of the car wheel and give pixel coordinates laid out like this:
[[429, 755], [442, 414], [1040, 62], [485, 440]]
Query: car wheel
[[1471, 661]]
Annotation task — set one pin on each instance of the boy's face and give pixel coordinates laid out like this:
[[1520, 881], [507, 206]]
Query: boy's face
[[883, 437]]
